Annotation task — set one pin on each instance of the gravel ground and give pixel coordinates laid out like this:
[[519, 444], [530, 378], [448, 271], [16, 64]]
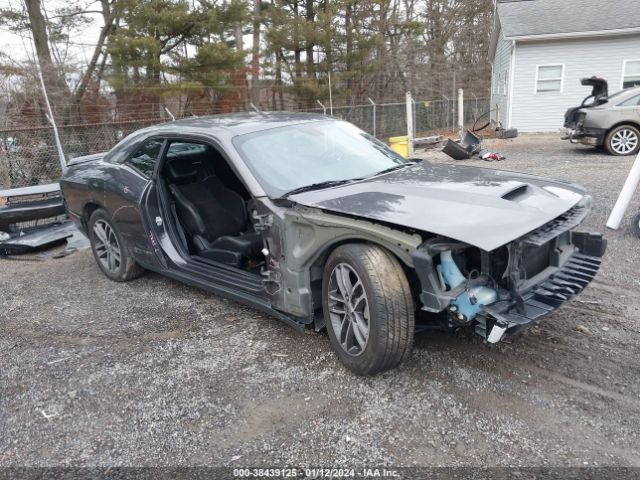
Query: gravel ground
[[153, 372]]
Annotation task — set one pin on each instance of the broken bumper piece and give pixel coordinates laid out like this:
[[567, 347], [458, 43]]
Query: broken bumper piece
[[38, 238], [33, 218], [567, 281]]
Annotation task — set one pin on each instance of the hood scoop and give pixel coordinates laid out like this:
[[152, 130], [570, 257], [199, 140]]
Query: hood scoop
[[518, 193]]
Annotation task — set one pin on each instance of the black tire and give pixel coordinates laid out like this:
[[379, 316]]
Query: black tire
[[635, 225], [630, 132], [126, 267], [391, 309]]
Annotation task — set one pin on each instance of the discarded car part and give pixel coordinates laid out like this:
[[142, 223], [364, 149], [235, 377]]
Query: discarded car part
[[456, 150], [610, 121], [37, 238], [30, 206], [463, 149], [500, 131], [470, 145], [34, 218], [504, 133], [266, 209]]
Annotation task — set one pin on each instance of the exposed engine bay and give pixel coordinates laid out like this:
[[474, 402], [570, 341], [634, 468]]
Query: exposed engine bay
[[502, 291]]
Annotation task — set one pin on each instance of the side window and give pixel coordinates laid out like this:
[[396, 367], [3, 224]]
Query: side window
[[145, 158], [631, 102]]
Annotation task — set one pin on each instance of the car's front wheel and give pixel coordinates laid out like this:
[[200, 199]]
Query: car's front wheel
[[368, 308], [623, 140], [109, 250]]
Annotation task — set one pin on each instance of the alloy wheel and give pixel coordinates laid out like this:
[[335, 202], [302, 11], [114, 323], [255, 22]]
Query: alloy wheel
[[349, 309], [106, 246], [624, 141]]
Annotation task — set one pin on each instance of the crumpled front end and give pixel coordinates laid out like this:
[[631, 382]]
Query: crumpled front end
[[502, 291]]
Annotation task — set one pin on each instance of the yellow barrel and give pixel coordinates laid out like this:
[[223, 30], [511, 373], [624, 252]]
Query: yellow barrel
[[400, 145]]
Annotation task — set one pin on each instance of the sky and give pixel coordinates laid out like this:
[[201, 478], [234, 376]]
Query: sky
[[81, 41]]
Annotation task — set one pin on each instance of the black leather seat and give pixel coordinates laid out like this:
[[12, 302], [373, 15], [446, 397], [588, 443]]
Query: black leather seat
[[213, 215]]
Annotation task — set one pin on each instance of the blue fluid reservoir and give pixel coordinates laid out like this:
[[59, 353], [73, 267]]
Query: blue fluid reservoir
[[463, 303]]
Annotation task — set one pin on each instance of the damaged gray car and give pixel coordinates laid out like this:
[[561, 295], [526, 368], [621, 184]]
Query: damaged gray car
[[321, 225]]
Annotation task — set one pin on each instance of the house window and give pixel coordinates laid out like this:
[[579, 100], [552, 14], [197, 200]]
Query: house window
[[549, 78], [631, 74]]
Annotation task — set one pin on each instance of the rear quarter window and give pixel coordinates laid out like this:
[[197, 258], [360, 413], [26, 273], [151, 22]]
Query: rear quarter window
[[631, 102], [145, 158]]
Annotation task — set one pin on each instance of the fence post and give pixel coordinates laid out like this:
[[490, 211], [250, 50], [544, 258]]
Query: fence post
[[415, 119], [448, 110], [460, 111], [173, 118], [409, 102], [324, 109], [63, 161], [373, 104]]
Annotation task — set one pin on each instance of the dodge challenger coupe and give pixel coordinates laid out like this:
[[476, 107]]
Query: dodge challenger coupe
[[319, 224]]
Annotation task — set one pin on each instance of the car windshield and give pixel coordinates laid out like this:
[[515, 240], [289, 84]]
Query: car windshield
[[288, 158]]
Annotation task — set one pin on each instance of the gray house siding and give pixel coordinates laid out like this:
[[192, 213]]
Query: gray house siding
[[543, 112], [501, 71]]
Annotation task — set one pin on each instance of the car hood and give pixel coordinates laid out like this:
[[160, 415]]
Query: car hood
[[483, 207]]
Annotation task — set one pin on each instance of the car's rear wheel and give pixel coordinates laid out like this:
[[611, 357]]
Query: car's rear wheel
[[635, 225], [623, 140], [368, 308], [109, 250]]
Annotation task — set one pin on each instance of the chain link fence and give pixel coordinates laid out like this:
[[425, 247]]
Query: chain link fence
[[28, 156]]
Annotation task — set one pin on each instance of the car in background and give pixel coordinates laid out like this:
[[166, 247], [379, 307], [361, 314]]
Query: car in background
[[321, 225], [603, 120]]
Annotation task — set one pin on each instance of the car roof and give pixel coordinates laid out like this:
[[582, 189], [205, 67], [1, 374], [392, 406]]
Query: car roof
[[230, 125], [626, 93]]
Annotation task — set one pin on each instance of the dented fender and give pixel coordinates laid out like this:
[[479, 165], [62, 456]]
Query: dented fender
[[309, 236]]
